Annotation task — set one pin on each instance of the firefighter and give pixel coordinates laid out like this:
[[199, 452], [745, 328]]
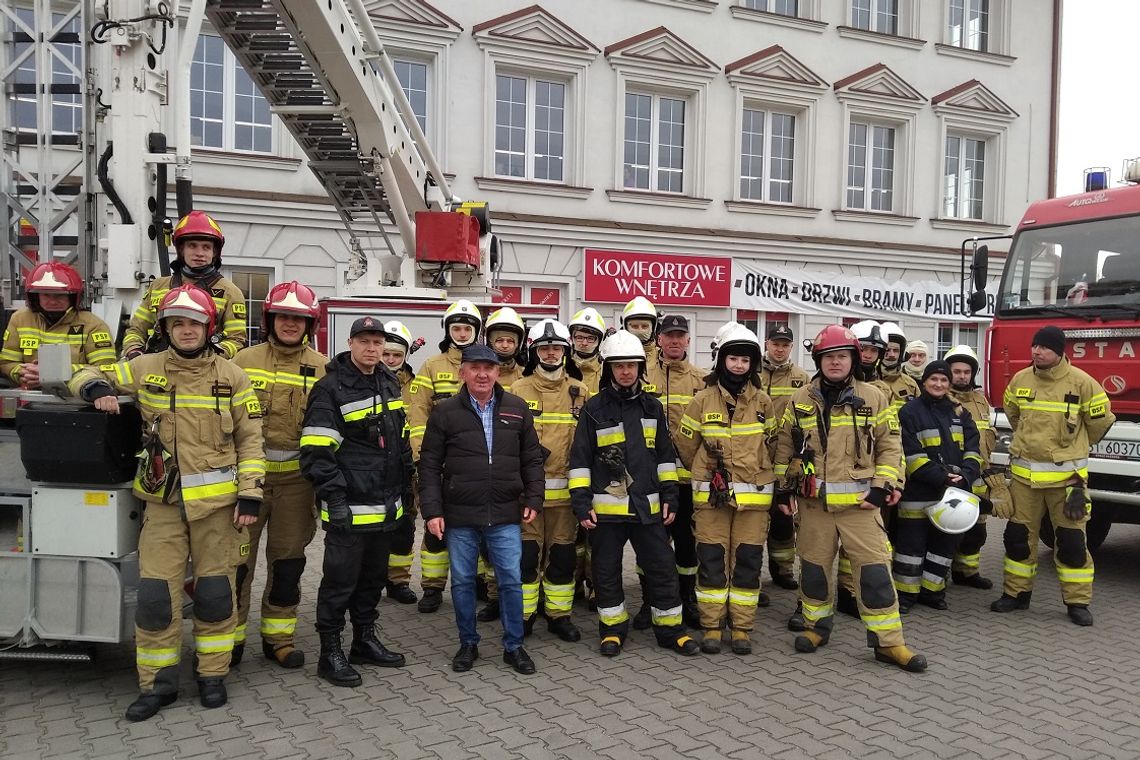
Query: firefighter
[[837, 454], [398, 346], [354, 451], [200, 474], [725, 437], [873, 343], [198, 241], [623, 488], [54, 314], [282, 371], [437, 379], [639, 317], [675, 381], [587, 328], [940, 443], [899, 387], [1057, 413], [555, 394], [915, 359], [779, 378], [991, 486]]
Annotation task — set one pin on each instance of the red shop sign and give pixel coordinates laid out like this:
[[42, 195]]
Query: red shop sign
[[663, 278]]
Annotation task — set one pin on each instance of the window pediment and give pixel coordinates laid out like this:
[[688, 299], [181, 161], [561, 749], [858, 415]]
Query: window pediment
[[879, 81], [661, 47], [972, 97], [413, 13], [776, 66], [532, 27]]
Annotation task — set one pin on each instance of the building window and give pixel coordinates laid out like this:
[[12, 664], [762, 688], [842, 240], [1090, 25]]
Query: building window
[[226, 110], [970, 24], [654, 143], [66, 73], [255, 283], [781, 7], [870, 167], [964, 178], [530, 128], [767, 155], [876, 16], [413, 76], [951, 334]]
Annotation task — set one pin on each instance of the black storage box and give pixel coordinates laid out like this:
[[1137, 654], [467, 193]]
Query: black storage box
[[65, 443]]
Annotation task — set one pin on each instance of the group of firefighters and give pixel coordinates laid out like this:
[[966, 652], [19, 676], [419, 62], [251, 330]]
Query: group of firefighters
[[698, 470]]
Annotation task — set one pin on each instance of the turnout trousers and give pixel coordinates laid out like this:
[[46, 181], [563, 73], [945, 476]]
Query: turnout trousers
[[923, 554], [355, 568], [1070, 553], [864, 537], [781, 542], [403, 543], [215, 548], [288, 519], [659, 567], [548, 560], [730, 550]]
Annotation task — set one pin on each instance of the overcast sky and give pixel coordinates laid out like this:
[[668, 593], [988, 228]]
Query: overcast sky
[[1100, 111]]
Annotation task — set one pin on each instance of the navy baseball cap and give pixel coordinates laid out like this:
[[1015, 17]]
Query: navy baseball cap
[[673, 323], [366, 324], [780, 332], [480, 353]]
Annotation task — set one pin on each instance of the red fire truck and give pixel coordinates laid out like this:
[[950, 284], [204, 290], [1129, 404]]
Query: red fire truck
[[1074, 262]]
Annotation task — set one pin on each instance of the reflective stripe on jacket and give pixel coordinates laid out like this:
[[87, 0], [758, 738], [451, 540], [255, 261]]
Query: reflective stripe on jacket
[[88, 337], [937, 434], [674, 383], [229, 302], [437, 379], [556, 413]]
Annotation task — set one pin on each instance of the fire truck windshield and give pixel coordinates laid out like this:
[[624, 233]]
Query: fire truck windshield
[[1090, 265]]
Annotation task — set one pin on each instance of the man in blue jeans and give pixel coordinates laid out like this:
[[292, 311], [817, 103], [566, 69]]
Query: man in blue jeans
[[481, 474]]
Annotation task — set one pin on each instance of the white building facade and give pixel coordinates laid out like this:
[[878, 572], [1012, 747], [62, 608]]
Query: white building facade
[[770, 161]]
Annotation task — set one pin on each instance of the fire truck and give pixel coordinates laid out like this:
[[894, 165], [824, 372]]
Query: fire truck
[[91, 186], [1074, 262]]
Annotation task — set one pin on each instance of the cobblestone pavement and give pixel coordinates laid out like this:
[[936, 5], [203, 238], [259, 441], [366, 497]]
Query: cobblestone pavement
[[1023, 685]]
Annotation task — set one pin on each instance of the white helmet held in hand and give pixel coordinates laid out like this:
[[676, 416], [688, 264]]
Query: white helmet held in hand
[[956, 512]]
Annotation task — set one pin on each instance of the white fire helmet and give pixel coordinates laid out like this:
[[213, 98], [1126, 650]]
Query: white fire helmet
[[549, 331], [956, 512], [588, 319], [639, 308], [870, 333], [397, 332], [622, 346]]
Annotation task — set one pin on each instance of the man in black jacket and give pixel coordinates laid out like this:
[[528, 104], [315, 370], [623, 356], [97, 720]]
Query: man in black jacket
[[355, 451], [480, 474], [941, 446]]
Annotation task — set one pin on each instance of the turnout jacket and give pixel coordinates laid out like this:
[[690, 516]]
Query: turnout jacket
[[591, 371], [206, 417], [674, 382], [780, 381], [437, 379], [856, 443], [228, 301], [937, 434], [354, 446], [742, 430], [469, 486], [509, 375], [898, 387], [556, 406], [282, 377], [1056, 415], [645, 474], [87, 336]]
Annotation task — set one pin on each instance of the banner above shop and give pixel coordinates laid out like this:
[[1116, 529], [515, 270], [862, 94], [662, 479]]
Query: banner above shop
[[765, 287], [665, 279]]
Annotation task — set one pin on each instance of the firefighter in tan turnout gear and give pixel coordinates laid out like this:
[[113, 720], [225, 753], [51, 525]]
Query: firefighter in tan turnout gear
[[1057, 413], [436, 380], [587, 328], [282, 371], [200, 475], [198, 240], [54, 293], [725, 438], [780, 378], [398, 346], [555, 395], [675, 381], [838, 453], [991, 485], [639, 317]]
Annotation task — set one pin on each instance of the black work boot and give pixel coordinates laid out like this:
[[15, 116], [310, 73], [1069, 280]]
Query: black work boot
[[489, 612], [212, 692], [974, 581], [796, 619], [782, 579], [1007, 603], [236, 654], [402, 593], [146, 706], [564, 628], [690, 613], [845, 602], [936, 600], [333, 665], [367, 649], [1079, 614], [431, 600], [284, 654]]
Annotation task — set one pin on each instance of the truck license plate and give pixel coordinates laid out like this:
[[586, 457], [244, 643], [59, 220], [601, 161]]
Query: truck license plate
[[1117, 450]]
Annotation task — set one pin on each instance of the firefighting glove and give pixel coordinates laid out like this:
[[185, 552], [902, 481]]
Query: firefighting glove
[[248, 507], [613, 459], [877, 496], [132, 353], [986, 506], [96, 390], [340, 516], [1076, 505], [718, 487]]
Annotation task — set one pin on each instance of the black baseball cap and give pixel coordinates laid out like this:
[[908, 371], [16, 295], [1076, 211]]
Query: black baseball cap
[[366, 324], [479, 353], [780, 332], [673, 323]]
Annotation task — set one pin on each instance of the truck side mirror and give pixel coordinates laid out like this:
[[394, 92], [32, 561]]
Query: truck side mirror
[[980, 266], [977, 301]]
